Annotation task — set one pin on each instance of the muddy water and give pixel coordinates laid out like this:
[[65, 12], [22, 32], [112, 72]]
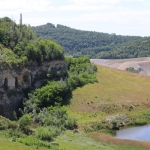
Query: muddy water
[[141, 133]]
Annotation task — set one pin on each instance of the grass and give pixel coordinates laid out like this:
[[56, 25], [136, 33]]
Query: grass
[[7, 144], [120, 143], [116, 92], [81, 141]]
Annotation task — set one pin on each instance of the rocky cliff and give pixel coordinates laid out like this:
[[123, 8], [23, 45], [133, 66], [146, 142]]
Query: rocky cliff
[[14, 80]]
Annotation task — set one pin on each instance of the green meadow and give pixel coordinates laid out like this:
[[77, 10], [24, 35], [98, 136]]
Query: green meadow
[[117, 92]]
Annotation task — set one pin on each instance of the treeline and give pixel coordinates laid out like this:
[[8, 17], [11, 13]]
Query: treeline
[[25, 46], [133, 49], [94, 44]]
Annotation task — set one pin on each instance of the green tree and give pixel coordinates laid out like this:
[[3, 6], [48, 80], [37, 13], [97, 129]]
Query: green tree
[[25, 121]]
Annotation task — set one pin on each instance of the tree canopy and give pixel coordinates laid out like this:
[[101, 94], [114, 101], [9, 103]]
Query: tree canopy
[[94, 44], [20, 42]]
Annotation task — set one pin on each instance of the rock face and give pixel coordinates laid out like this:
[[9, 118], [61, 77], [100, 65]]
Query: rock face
[[16, 78]]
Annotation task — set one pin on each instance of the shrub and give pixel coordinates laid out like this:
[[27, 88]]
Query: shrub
[[140, 122], [3, 124], [34, 141], [44, 134], [25, 120]]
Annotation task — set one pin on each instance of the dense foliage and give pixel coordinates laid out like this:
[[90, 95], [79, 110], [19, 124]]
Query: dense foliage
[[19, 43], [81, 72], [132, 49], [94, 44]]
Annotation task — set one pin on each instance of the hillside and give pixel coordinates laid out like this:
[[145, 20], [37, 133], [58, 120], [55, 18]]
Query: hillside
[[115, 91], [92, 44], [133, 49]]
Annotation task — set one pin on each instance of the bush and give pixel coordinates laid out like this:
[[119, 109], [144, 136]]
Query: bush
[[24, 123], [34, 141], [140, 122], [44, 134], [3, 124]]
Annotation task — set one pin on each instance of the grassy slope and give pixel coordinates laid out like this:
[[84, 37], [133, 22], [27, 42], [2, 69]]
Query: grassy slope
[[114, 93], [119, 90]]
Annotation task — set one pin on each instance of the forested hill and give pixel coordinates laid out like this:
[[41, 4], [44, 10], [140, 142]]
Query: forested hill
[[93, 44]]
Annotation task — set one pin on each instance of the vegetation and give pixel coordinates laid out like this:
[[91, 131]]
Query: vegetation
[[18, 44], [56, 115], [95, 44], [43, 118], [81, 72], [131, 69]]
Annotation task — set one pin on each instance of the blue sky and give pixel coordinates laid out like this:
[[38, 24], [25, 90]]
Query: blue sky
[[123, 17]]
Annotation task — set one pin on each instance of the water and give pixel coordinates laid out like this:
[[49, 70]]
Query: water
[[141, 133]]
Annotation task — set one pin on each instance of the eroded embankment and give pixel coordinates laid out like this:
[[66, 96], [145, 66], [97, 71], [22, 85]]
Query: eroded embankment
[[137, 63]]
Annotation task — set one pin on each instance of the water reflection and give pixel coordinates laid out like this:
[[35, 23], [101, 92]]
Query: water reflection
[[135, 133]]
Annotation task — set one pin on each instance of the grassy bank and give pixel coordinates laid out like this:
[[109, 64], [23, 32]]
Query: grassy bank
[[117, 92]]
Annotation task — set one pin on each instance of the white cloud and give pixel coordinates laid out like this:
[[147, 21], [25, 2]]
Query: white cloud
[[25, 5], [94, 2], [84, 8], [117, 12], [119, 16]]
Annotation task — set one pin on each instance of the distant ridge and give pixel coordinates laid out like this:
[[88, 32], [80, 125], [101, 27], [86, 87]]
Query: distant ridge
[[95, 44]]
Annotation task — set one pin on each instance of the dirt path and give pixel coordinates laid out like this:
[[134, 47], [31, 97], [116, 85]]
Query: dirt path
[[137, 63]]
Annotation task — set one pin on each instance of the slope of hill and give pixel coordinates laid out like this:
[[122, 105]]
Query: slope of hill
[[92, 44], [114, 93], [132, 49]]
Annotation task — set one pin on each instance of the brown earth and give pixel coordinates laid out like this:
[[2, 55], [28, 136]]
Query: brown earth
[[137, 63], [107, 138]]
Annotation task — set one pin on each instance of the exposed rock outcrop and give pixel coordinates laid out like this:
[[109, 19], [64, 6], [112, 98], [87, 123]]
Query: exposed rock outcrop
[[16, 78]]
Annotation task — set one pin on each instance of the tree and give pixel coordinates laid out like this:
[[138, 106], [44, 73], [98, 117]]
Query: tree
[[24, 122]]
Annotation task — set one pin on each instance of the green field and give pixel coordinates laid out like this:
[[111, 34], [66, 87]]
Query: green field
[[115, 92]]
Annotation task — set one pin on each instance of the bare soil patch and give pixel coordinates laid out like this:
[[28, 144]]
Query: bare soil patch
[[137, 63], [107, 138]]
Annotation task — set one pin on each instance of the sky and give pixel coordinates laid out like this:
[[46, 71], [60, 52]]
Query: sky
[[122, 17]]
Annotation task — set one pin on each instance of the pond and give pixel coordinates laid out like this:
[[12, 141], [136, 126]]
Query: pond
[[141, 133]]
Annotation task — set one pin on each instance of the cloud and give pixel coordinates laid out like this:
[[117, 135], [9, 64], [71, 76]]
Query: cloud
[[94, 2], [25, 5], [120, 13], [84, 8], [118, 16]]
